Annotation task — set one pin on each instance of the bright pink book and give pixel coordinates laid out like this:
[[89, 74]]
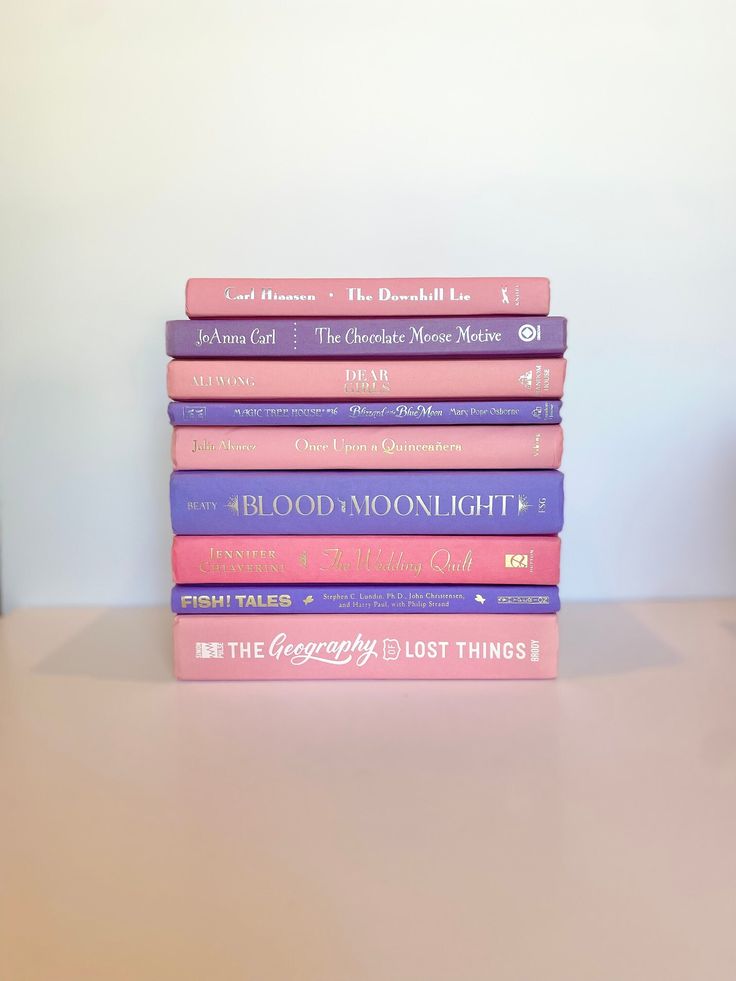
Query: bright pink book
[[498, 559], [353, 448], [391, 297], [482, 378], [381, 647]]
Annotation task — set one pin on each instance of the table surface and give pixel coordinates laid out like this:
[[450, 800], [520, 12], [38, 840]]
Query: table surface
[[362, 831]]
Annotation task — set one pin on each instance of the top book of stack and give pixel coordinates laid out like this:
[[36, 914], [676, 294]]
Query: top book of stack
[[467, 296]]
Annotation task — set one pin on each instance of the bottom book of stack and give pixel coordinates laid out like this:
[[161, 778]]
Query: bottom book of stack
[[423, 646]]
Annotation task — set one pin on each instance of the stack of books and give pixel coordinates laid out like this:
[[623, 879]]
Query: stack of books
[[366, 479]]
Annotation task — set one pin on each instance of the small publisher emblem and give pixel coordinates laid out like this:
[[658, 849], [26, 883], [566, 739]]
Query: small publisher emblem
[[202, 649], [195, 412], [526, 379], [390, 649], [517, 561], [528, 332]]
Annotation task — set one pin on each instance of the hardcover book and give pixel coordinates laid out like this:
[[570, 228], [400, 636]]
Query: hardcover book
[[388, 448], [284, 599], [498, 560], [371, 338], [386, 380], [521, 412], [389, 297], [395, 647], [351, 502]]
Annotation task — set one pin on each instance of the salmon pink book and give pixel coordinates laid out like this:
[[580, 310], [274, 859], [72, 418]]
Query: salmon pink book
[[500, 559], [483, 378], [388, 297], [396, 647], [345, 448]]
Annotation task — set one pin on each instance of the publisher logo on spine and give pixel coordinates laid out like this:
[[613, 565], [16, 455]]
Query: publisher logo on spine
[[195, 412], [391, 649], [516, 561], [202, 649], [528, 332], [523, 600]]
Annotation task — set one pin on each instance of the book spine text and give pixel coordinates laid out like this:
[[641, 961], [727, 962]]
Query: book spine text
[[410, 448], [484, 378], [334, 598], [384, 502], [352, 646], [447, 337], [333, 559], [390, 297], [511, 413]]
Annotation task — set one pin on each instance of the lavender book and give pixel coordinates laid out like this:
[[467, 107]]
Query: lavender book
[[371, 338], [520, 412], [365, 599], [394, 502]]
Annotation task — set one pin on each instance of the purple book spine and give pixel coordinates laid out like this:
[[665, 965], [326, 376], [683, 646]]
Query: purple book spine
[[522, 412], [365, 599], [351, 502], [392, 337]]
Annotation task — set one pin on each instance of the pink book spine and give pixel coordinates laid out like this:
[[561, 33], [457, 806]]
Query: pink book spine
[[532, 560], [350, 448], [381, 647], [466, 296], [480, 378]]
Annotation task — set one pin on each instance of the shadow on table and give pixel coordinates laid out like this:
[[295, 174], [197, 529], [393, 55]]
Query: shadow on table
[[730, 626], [121, 644], [608, 639]]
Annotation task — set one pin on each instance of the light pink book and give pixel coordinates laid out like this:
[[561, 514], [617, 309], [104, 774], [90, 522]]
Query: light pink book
[[389, 297], [354, 448], [532, 560], [381, 647], [482, 378]]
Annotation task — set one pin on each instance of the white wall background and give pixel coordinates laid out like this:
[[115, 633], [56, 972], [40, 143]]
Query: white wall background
[[146, 142]]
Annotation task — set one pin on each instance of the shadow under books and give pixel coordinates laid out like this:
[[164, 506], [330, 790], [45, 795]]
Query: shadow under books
[[608, 639]]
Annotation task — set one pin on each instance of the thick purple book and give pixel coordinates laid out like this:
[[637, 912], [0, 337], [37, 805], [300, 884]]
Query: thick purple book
[[521, 412], [390, 337], [353, 502], [365, 599]]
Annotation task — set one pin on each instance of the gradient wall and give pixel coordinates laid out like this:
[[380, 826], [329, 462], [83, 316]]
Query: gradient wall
[[144, 143]]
